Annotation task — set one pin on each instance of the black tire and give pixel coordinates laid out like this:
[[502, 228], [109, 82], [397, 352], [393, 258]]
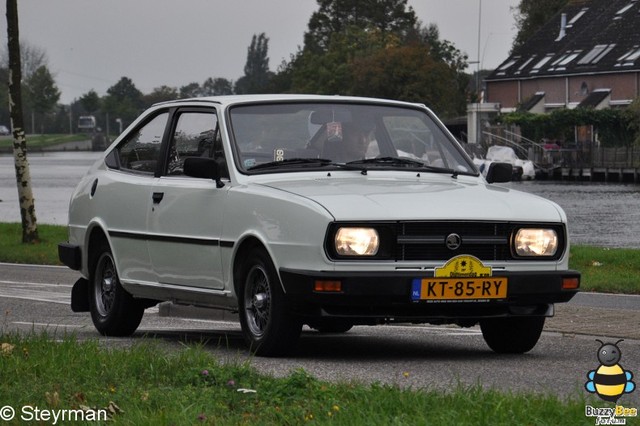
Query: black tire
[[512, 335], [113, 310], [330, 325], [268, 327]]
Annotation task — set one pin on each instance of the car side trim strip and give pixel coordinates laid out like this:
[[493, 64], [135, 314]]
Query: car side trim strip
[[164, 238]]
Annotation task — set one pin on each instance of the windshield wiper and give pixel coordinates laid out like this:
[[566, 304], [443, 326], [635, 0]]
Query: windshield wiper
[[392, 161], [291, 162], [307, 162], [402, 161]]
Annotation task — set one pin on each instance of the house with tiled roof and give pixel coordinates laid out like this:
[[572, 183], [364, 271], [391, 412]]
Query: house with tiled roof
[[586, 55]]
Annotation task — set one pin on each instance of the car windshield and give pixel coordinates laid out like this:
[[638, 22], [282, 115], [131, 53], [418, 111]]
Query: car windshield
[[304, 136]]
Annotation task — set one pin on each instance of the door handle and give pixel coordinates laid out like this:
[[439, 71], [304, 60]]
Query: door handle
[[157, 197]]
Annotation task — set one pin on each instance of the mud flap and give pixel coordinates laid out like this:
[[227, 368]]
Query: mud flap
[[80, 296]]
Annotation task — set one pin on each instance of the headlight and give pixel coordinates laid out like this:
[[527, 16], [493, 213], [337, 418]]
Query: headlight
[[536, 242], [357, 242]]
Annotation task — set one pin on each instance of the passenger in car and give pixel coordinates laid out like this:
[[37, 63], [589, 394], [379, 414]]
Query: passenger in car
[[352, 145]]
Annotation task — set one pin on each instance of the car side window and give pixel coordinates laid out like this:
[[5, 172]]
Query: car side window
[[196, 135], [140, 152]]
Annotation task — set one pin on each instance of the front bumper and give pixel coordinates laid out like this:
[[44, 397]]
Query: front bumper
[[374, 297]]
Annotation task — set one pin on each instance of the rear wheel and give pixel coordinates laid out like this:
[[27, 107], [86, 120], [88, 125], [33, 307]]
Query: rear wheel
[[512, 335], [114, 311], [268, 327]]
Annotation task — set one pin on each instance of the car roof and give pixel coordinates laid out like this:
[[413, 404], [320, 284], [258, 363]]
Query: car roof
[[237, 99]]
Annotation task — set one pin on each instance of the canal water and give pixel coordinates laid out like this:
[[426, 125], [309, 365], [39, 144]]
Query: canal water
[[600, 214]]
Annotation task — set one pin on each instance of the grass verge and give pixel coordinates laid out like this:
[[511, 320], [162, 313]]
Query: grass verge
[[44, 252], [145, 384], [607, 270], [603, 269]]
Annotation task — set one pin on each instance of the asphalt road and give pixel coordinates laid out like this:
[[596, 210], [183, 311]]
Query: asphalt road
[[36, 298]]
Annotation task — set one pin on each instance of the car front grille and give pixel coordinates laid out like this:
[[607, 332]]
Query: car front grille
[[488, 241]]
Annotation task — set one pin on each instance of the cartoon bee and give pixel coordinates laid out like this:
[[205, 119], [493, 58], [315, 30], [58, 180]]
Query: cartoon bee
[[610, 380]]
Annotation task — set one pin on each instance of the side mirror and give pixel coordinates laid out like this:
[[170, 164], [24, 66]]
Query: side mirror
[[499, 172], [206, 168]]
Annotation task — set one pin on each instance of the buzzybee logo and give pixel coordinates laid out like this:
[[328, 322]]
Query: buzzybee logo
[[610, 381]]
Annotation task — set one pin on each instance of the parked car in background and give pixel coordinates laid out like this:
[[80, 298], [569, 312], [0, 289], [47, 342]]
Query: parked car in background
[[4, 130], [327, 211]]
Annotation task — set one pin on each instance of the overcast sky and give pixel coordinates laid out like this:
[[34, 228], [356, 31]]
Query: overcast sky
[[91, 44]]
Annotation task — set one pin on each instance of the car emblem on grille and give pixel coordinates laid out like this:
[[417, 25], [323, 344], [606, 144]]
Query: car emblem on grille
[[453, 241]]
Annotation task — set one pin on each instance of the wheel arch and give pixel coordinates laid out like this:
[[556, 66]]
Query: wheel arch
[[245, 246], [95, 237]]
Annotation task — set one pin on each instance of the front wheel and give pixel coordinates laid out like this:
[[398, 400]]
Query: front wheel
[[512, 335], [114, 311], [268, 327]]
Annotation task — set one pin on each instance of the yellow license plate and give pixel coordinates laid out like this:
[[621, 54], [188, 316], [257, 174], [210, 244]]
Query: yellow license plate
[[443, 289]]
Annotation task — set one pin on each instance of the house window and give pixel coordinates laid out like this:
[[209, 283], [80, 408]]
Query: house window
[[527, 62], [629, 58], [595, 54], [584, 89], [503, 68], [541, 63], [623, 10], [561, 63], [578, 16]]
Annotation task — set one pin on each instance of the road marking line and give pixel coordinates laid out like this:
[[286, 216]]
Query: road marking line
[[42, 324], [35, 284], [35, 299]]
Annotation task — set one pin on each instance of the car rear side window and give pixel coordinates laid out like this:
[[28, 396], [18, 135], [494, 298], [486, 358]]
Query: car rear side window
[[140, 152]]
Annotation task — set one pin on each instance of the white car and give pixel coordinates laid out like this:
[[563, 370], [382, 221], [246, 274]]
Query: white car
[[327, 211]]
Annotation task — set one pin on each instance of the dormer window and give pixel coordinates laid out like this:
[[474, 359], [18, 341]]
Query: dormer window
[[508, 64], [561, 63], [541, 63], [595, 54], [629, 58], [527, 62], [623, 10], [576, 17]]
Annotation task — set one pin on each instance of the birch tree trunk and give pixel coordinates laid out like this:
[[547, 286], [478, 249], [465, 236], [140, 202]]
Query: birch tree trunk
[[23, 176]]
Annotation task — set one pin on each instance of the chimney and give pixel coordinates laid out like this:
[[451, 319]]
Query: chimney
[[563, 27]]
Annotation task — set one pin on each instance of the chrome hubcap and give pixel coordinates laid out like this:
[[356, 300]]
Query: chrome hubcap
[[105, 288], [257, 301]]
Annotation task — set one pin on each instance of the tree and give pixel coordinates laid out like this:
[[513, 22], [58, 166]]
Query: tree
[[531, 15], [376, 48], [335, 16], [191, 90], [23, 175], [256, 70], [408, 73], [217, 87], [123, 101], [90, 101], [160, 94], [31, 58], [42, 93]]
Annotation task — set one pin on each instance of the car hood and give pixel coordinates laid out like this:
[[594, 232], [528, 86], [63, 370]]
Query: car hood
[[438, 197]]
